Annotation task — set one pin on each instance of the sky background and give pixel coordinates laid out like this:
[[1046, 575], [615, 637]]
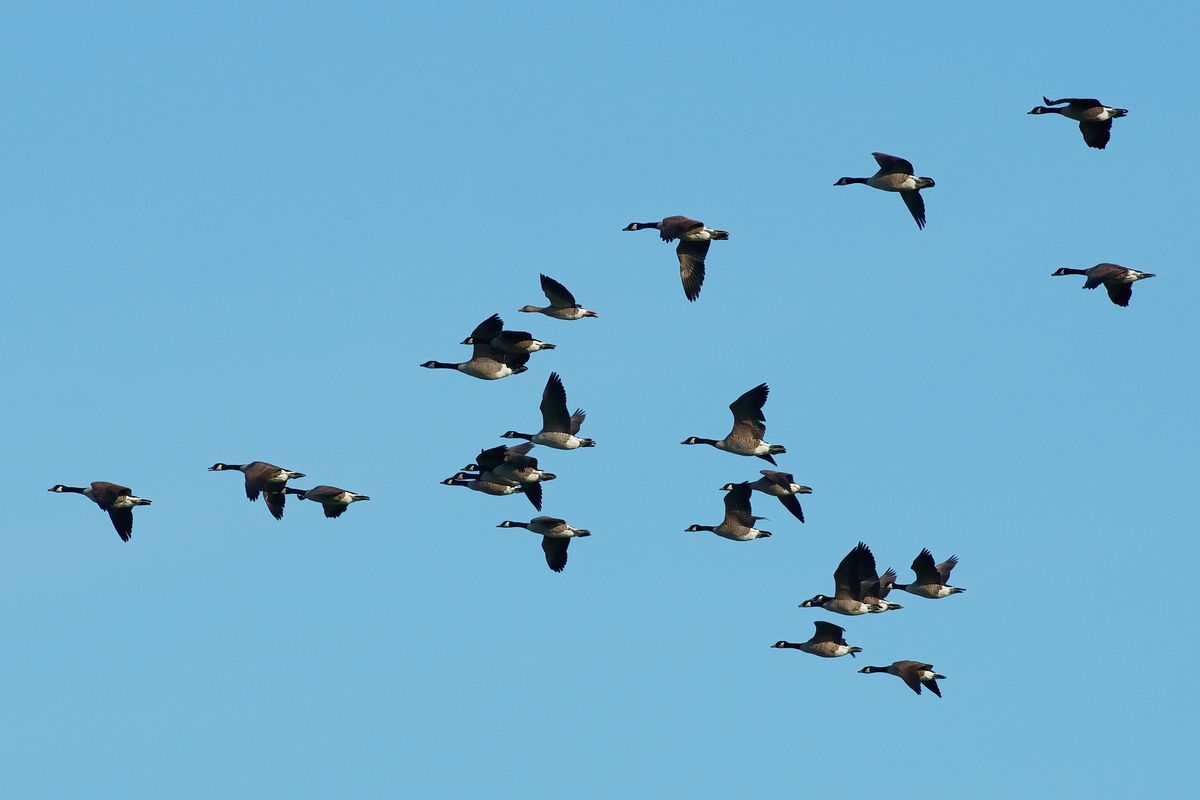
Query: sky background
[[231, 234]]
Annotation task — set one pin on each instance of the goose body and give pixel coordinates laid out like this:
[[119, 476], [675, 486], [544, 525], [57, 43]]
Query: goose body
[[897, 175], [119, 501], [858, 589], [739, 521], [1117, 280], [333, 500], [694, 240], [559, 428], [265, 479], [556, 536], [532, 491], [829, 641], [781, 485], [933, 580], [915, 674], [486, 363], [514, 343], [509, 465], [562, 303], [749, 428], [1095, 119]]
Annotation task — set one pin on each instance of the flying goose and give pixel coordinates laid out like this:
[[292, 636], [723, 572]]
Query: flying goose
[[513, 343], [738, 524], [117, 500], [781, 485], [749, 427], [828, 642], [1117, 280], [857, 587], [933, 580], [1095, 119], [264, 478], [558, 427], [532, 491], [897, 175], [556, 537], [335, 501], [562, 302], [913, 673], [694, 238], [509, 465], [487, 363]]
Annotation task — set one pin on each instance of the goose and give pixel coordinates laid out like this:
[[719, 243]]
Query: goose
[[694, 239], [558, 427], [857, 588], [913, 673], [897, 175], [749, 426], [829, 641], [117, 500], [514, 343], [556, 537], [509, 465], [1095, 119], [264, 478], [781, 485], [738, 524], [933, 580], [562, 302], [335, 501], [532, 491], [487, 363], [1118, 281]]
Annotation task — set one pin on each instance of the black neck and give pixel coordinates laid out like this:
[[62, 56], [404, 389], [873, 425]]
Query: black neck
[[789, 646], [900, 586], [515, 435], [512, 524], [853, 180], [442, 365], [1073, 271], [713, 442], [75, 489], [655, 225]]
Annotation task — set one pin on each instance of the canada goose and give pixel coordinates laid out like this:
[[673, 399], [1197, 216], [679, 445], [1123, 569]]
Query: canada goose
[[781, 485], [749, 427], [1117, 280], [1095, 119], [556, 537], [514, 342], [933, 580], [739, 521], [857, 588], [828, 642], [334, 500], [694, 239], [532, 491], [264, 478], [117, 500], [558, 427], [562, 302], [509, 465], [897, 175], [913, 673], [487, 363]]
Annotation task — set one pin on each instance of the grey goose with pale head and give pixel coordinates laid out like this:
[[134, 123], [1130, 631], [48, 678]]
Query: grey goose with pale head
[[897, 175], [556, 537], [749, 428], [694, 240], [1095, 119], [114, 498], [739, 520], [1117, 280], [562, 302], [915, 674], [265, 479], [829, 641]]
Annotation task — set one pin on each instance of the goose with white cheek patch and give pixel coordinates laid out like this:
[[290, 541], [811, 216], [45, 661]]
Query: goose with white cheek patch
[[335, 501], [119, 501], [1095, 119], [749, 428], [829, 641], [857, 587], [739, 520], [487, 363], [1117, 280], [495, 486], [265, 479], [915, 674], [559, 428], [781, 485], [556, 537], [933, 580], [897, 175], [694, 240]]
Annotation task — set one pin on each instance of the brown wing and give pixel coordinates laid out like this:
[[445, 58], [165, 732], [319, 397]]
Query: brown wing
[[671, 228], [748, 419], [577, 420], [557, 294], [1096, 134], [691, 266], [257, 473], [782, 479], [122, 520], [555, 417], [275, 502], [104, 494], [556, 552], [945, 568], [916, 206]]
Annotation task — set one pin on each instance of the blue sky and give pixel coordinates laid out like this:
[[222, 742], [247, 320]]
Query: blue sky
[[233, 234]]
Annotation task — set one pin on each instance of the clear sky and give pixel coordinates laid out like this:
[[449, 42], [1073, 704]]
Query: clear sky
[[233, 234]]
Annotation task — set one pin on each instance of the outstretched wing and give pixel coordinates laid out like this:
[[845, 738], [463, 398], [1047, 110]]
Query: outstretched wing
[[556, 552], [555, 417], [691, 265], [671, 228], [556, 293], [916, 206], [122, 520], [893, 164], [1096, 134]]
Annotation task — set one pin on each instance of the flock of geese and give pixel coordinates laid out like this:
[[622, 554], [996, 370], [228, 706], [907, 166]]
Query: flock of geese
[[503, 470]]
